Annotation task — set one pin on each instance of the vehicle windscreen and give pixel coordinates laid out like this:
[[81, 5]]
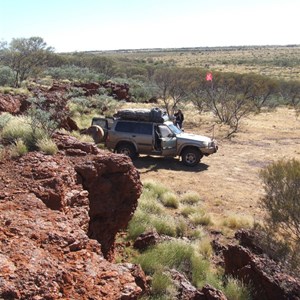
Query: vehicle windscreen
[[174, 129]]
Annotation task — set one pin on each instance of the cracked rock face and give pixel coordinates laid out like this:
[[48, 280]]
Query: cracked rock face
[[59, 216]]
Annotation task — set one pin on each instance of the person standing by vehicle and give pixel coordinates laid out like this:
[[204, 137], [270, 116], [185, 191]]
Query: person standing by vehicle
[[179, 118]]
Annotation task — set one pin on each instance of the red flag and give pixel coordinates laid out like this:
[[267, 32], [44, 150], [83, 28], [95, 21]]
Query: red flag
[[209, 77]]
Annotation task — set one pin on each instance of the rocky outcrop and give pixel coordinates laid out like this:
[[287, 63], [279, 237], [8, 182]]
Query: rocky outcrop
[[59, 217], [263, 274], [12, 104], [113, 187]]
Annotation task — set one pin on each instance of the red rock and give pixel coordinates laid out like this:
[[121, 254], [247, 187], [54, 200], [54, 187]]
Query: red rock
[[51, 207]]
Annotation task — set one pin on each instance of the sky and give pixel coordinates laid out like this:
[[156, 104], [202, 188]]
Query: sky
[[90, 25]]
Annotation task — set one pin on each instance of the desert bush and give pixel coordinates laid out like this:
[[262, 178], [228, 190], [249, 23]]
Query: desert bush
[[188, 210], [44, 116], [182, 228], [170, 199], [7, 77], [236, 290], [16, 128], [104, 104], [190, 197], [18, 148], [200, 217], [157, 188], [2, 153], [238, 222], [73, 73], [164, 225], [204, 247], [85, 138], [282, 206], [47, 146]]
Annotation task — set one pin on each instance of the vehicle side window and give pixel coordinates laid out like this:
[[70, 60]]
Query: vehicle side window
[[144, 128], [125, 126], [133, 127]]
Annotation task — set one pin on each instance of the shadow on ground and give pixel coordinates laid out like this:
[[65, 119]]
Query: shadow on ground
[[147, 164]]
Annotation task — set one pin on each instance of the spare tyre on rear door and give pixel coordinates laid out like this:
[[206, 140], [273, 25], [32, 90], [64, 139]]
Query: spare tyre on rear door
[[97, 133]]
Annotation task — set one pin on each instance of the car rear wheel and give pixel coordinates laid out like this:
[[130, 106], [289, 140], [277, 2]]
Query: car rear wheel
[[127, 149], [191, 156]]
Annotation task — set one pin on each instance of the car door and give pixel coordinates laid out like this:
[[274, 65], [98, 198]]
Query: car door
[[144, 137], [168, 140]]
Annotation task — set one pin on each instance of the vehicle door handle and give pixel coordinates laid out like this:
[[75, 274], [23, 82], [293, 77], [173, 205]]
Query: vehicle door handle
[[133, 135]]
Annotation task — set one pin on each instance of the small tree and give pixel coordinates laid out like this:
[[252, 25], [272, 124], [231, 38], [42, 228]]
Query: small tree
[[282, 203], [171, 83], [46, 115], [25, 57]]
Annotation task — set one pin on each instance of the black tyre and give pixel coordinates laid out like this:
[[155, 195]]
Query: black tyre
[[127, 149], [191, 156]]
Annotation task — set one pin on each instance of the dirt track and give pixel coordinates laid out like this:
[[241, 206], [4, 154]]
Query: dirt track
[[228, 181]]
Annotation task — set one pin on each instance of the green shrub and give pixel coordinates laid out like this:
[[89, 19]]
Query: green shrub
[[175, 254], [138, 224], [152, 206], [7, 76], [282, 206], [282, 193], [179, 255], [4, 119], [200, 270], [45, 117], [47, 146], [164, 224], [162, 285]]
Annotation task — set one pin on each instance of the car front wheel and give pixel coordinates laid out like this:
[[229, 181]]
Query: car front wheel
[[191, 156]]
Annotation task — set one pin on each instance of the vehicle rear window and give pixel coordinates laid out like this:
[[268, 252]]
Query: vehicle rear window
[[133, 127]]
